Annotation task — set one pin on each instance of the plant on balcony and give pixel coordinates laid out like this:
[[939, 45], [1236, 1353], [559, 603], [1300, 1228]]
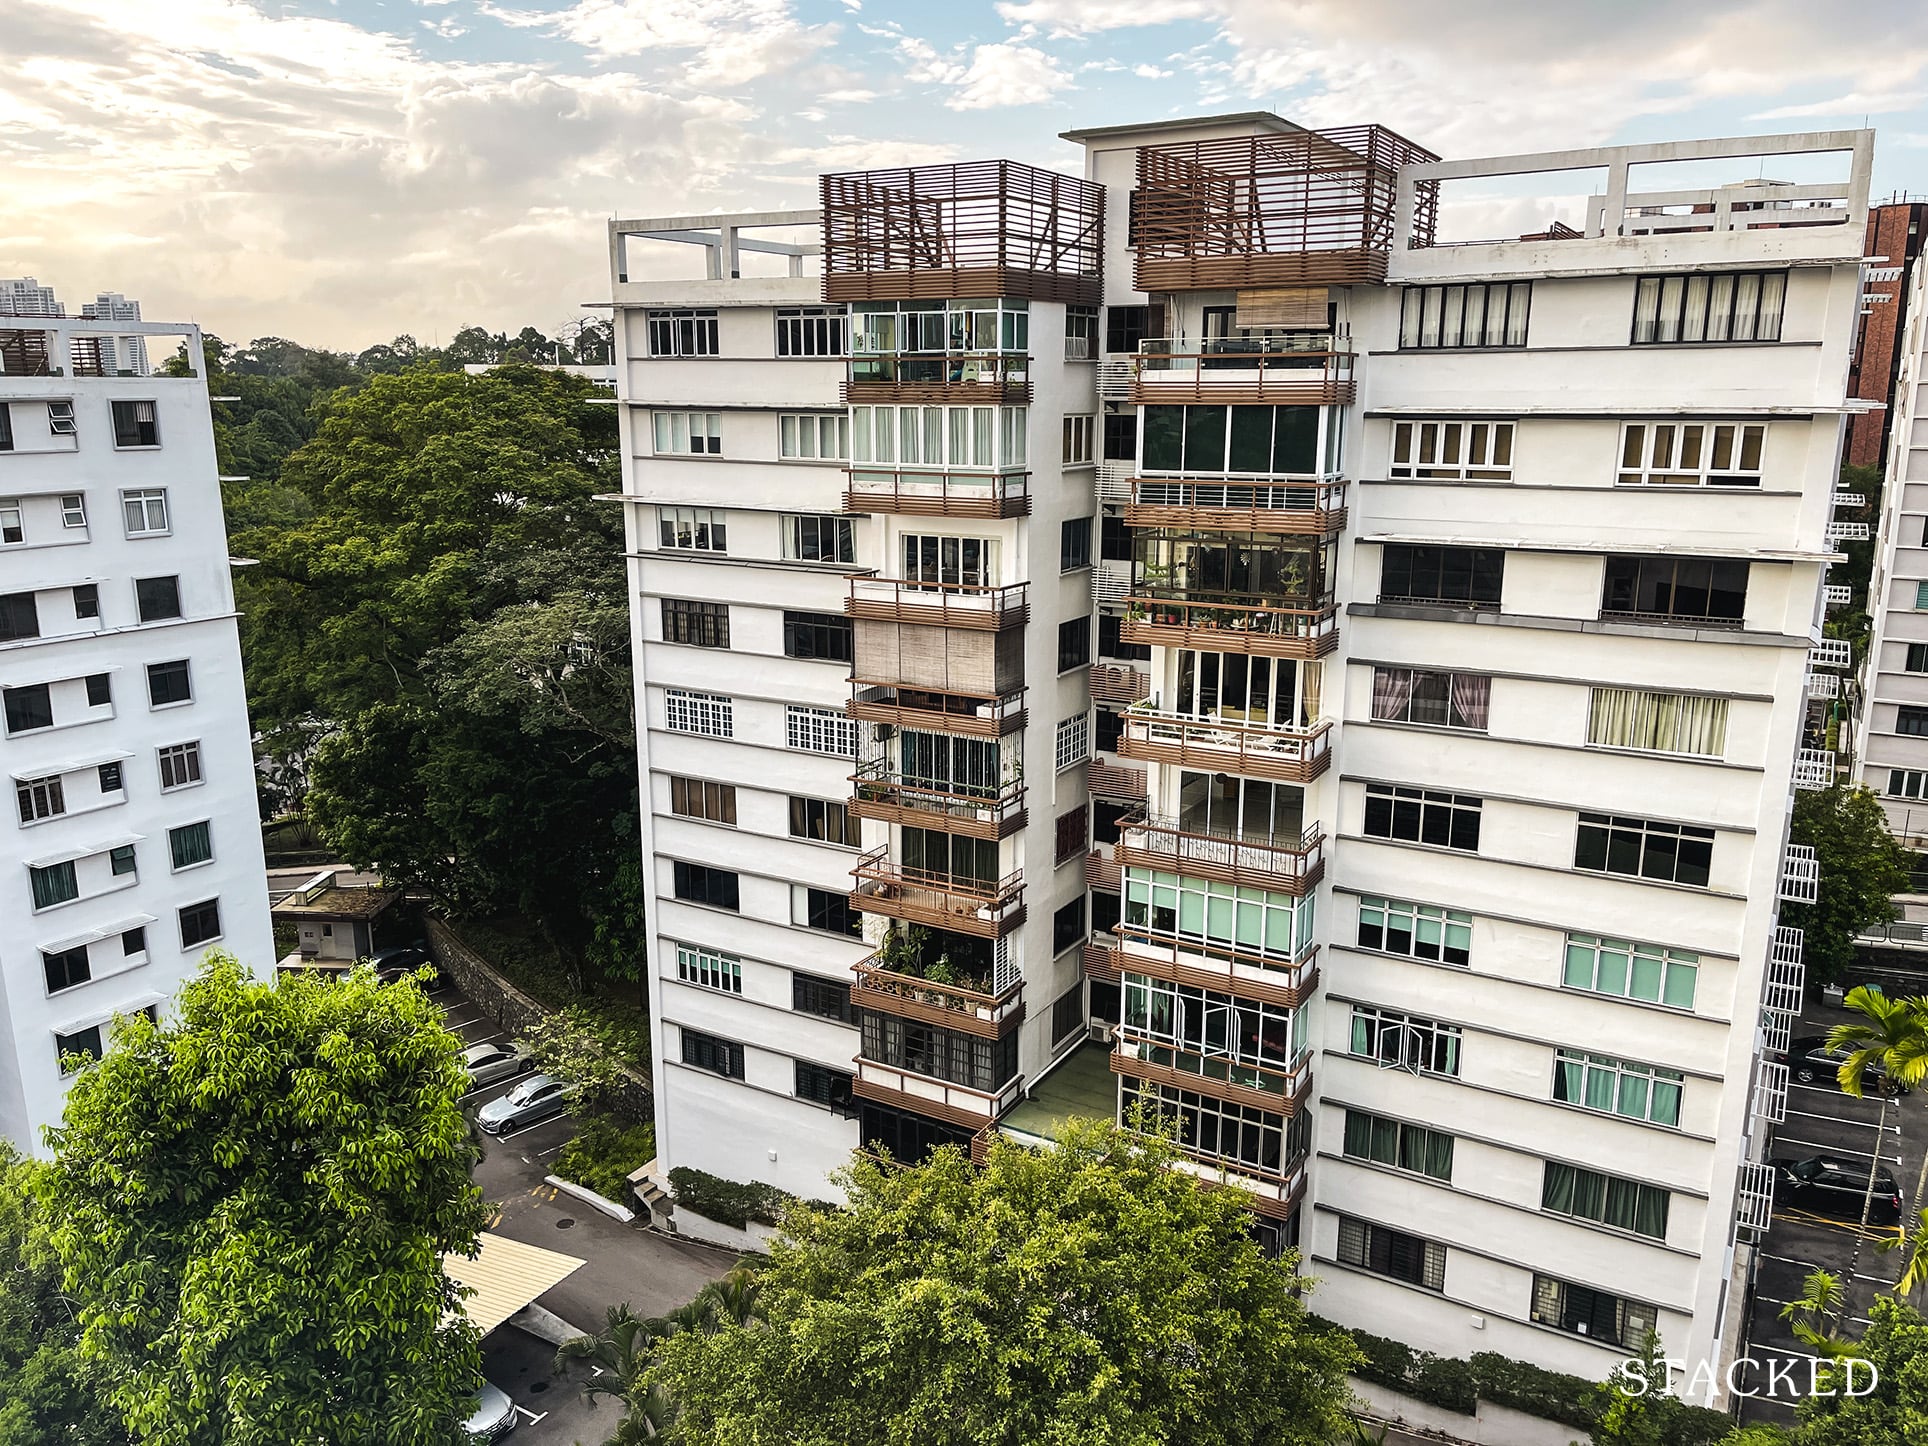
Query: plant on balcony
[[906, 952]]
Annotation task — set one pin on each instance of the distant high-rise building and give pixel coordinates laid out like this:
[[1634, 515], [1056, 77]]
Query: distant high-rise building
[[129, 352], [24, 296]]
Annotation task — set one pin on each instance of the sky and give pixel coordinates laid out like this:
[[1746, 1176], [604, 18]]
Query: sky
[[341, 171]]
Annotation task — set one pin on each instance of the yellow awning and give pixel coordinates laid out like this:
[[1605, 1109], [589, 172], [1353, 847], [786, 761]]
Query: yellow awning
[[506, 1275]]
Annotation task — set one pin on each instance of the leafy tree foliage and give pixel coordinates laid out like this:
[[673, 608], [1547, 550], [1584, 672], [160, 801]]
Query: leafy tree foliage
[[1861, 868], [1896, 1412], [1085, 1293], [575, 1044], [252, 1205]]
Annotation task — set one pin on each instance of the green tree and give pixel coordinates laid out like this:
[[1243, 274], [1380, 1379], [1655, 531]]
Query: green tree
[[252, 1204], [1891, 1038], [1086, 1292], [1896, 1412], [575, 1044], [1862, 868]]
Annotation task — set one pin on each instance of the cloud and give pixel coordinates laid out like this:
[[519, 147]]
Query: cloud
[[1855, 103], [980, 77], [728, 42]]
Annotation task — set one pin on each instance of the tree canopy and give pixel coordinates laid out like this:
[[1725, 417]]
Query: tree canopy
[[1861, 868], [1084, 1293], [252, 1205]]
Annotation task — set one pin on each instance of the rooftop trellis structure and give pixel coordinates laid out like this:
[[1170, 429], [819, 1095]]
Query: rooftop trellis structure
[[976, 228], [1306, 208]]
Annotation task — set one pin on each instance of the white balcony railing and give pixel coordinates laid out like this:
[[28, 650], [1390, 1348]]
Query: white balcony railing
[[1830, 653], [1814, 768], [1754, 1201], [1800, 875], [1114, 481], [1850, 499], [1846, 532], [1770, 1093], [1824, 685], [1837, 595], [1786, 973], [1111, 582]]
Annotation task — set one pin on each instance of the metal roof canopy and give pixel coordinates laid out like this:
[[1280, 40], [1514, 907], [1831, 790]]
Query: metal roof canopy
[[506, 1275]]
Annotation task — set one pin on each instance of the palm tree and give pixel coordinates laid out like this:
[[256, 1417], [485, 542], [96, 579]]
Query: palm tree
[[1914, 1268], [1812, 1314], [1893, 1044]]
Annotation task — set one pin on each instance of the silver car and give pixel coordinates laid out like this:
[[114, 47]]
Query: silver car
[[488, 1064], [494, 1415], [537, 1098]]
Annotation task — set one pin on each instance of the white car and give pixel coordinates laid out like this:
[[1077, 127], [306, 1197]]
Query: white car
[[494, 1414], [537, 1098], [489, 1064]]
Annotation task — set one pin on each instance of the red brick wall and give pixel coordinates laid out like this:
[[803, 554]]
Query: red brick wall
[[1872, 376]]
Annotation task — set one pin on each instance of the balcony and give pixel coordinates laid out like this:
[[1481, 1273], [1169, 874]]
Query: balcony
[[1159, 843], [1275, 1194], [1304, 208], [1317, 508], [1227, 744], [1101, 871], [968, 714], [938, 604], [986, 909], [1279, 1089], [938, 494], [920, 1094], [1218, 967], [1225, 627], [1121, 785], [1101, 960], [948, 1006], [1292, 371], [986, 379], [883, 794], [1118, 685]]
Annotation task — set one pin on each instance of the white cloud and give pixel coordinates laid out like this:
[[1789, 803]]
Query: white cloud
[[1853, 104], [730, 41], [1150, 72], [980, 77]]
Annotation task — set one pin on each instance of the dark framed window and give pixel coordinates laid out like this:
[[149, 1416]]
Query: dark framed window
[[200, 923], [823, 819], [1067, 1013], [700, 884], [1068, 925], [700, 624], [1592, 1313], [86, 1042], [1107, 820], [6, 427], [827, 1087], [134, 941], [120, 860], [1917, 658], [190, 844], [1423, 815], [1392, 1253], [134, 425], [1074, 543], [1605, 1200], [1074, 643], [19, 616], [87, 600], [1709, 306], [40, 798], [1640, 848], [1114, 540], [1111, 643], [1202, 439], [826, 998], [28, 708], [1911, 721], [66, 968], [824, 637], [168, 683], [1707, 591], [831, 912], [1468, 577], [1109, 727], [701, 798], [157, 598], [1399, 1143], [1127, 326], [1464, 316], [180, 764], [946, 1054], [1121, 436], [706, 1051], [110, 778], [1071, 833], [682, 333], [53, 884], [100, 691]]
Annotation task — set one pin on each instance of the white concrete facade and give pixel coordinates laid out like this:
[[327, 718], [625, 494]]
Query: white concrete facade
[[126, 740]]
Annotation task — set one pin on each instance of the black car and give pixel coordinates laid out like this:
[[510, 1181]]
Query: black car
[[1810, 1059], [391, 964], [1828, 1185]]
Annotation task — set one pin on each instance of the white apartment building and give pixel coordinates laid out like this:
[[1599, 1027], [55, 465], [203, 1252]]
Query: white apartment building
[[1446, 610], [131, 843], [130, 350], [24, 296]]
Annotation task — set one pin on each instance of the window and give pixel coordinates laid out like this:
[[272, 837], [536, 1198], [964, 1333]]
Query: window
[[1459, 576], [950, 561], [1441, 316], [6, 427], [1213, 1129], [1128, 326], [1074, 643], [1079, 431], [1631, 971], [1071, 834], [1691, 454], [1911, 722], [1724, 306], [180, 765], [120, 860], [709, 969], [1073, 741], [828, 999], [1917, 660], [682, 333], [1392, 1253], [1617, 1087], [168, 683], [1588, 1312], [85, 1042], [1111, 642], [1452, 451], [826, 910], [822, 637], [963, 1059], [700, 884], [1440, 700], [1640, 848], [825, 998], [134, 425], [811, 538], [1120, 436], [809, 437], [827, 1087], [73, 510], [157, 598], [66, 968], [692, 529], [60, 419], [28, 708], [1907, 783], [1217, 918], [1243, 440], [1399, 1144], [1067, 1012], [824, 820], [1710, 591], [1605, 1200], [1080, 333], [145, 511], [40, 798], [1417, 931], [810, 331], [1404, 1041], [958, 437], [53, 884], [691, 433], [99, 690], [1111, 729], [200, 923], [699, 624], [709, 714], [706, 1051], [1068, 925], [87, 600], [1074, 543], [190, 845], [1115, 541], [19, 617], [1657, 722], [701, 798], [1423, 815], [109, 775], [1921, 596], [12, 527], [134, 941], [820, 730]]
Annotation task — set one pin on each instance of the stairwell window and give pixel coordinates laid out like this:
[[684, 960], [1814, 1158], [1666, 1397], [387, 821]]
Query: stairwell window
[[1438, 700], [682, 333], [1657, 722], [1416, 931], [1423, 816], [1392, 1253], [1584, 1311], [1703, 591], [1605, 1200], [1641, 848], [1464, 316], [1460, 577], [1617, 1087], [1691, 454], [1399, 1144], [1628, 970], [1709, 306]]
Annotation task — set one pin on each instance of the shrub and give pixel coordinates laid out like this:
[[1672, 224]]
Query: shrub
[[604, 1153], [727, 1202]]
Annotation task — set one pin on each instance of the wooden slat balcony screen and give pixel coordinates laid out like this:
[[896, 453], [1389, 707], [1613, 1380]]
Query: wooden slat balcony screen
[[1288, 982], [977, 717], [1272, 632], [955, 378], [945, 901], [938, 604], [938, 494], [1161, 843], [946, 1005], [1226, 744], [1307, 208], [25, 353], [1309, 378], [1101, 871], [1318, 508], [965, 229], [1106, 780], [1101, 961], [1111, 684]]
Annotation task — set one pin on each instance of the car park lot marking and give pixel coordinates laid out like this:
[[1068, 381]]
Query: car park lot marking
[[533, 1417], [1874, 1233], [1820, 1149], [517, 1134]]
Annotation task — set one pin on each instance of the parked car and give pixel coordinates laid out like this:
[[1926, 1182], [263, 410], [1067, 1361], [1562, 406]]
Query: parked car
[[1828, 1185], [494, 1415], [1809, 1059], [489, 1063], [537, 1098], [392, 964]]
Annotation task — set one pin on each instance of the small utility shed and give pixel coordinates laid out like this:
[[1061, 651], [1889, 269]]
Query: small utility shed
[[334, 923]]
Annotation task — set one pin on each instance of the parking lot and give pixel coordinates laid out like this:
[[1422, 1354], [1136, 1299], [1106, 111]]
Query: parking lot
[[1824, 1120]]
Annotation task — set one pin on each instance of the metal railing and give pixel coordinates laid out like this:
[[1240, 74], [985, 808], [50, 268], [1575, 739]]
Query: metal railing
[[1291, 754], [1232, 627], [1164, 843], [939, 604], [938, 493], [1277, 1087]]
